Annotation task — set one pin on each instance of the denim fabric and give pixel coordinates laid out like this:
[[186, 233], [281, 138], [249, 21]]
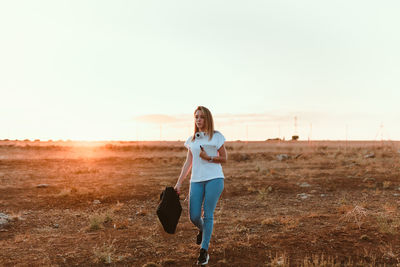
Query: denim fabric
[[209, 193]]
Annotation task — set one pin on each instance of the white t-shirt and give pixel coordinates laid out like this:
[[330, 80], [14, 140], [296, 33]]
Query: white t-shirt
[[202, 170]]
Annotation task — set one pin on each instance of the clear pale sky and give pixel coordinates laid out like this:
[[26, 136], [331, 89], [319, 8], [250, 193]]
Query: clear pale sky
[[127, 70]]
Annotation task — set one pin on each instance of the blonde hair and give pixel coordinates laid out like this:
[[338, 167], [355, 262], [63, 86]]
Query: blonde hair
[[208, 120]]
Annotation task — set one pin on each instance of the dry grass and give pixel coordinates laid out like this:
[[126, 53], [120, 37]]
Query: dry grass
[[357, 215], [351, 219], [387, 184], [97, 221], [105, 253], [151, 264], [388, 224], [327, 261], [277, 260]]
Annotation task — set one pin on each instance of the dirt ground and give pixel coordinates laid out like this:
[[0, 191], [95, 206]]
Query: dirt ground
[[284, 204]]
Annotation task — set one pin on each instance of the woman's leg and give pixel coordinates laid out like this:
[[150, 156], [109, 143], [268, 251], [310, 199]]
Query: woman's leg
[[213, 190], [196, 197]]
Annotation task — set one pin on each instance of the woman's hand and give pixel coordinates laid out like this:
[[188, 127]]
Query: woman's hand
[[203, 154], [178, 188]]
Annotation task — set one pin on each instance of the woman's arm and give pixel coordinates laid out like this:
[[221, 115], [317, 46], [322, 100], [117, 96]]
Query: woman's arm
[[185, 171], [221, 158]]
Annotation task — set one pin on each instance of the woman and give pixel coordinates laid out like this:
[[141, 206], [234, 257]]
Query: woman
[[207, 179]]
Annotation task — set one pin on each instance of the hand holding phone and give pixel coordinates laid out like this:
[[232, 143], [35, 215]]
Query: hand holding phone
[[203, 153]]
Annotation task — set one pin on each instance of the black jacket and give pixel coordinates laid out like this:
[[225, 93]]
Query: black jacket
[[169, 209]]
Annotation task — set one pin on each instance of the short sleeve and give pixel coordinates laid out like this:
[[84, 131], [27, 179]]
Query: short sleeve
[[187, 143], [220, 140]]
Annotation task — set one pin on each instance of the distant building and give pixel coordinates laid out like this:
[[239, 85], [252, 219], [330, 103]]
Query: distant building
[[273, 139]]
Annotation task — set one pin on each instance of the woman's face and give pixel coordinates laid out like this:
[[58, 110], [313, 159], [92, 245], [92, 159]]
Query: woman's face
[[199, 119]]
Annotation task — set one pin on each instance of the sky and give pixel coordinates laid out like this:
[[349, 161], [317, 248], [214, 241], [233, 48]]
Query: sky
[[136, 70]]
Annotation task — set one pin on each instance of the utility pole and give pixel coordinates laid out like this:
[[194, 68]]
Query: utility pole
[[279, 133], [247, 133], [347, 133], [295, 136]]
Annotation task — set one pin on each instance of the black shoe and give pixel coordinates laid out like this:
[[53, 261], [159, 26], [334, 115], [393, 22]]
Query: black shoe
[[203, 258], [199, 238]]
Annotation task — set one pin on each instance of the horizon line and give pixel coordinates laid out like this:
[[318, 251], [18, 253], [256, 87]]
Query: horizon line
[[178, 140]]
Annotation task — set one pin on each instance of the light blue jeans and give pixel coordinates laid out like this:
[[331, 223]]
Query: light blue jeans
[[209, 193]]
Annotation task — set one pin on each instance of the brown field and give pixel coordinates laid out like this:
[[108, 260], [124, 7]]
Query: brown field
[[325, 205]]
